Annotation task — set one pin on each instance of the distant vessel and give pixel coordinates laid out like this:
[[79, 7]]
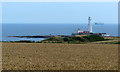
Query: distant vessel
[[99, 23]]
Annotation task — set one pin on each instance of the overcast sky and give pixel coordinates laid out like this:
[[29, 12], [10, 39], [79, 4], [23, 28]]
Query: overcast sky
[[59, 12]]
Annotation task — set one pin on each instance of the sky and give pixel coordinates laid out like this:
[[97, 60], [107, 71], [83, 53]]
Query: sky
[[59, 12], [59, 0]]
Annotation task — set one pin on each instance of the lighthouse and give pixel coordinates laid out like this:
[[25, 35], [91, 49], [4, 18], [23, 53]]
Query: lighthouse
[[89, 25], [82, 32]]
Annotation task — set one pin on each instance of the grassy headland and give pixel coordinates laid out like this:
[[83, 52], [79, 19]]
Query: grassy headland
[[74, 39], [77, 39]]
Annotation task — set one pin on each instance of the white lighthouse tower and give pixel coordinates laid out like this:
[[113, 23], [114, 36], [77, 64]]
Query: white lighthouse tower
[[89, 25]]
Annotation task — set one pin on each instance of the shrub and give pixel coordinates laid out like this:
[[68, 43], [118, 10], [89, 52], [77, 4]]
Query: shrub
[[93, 38], [66, 39]]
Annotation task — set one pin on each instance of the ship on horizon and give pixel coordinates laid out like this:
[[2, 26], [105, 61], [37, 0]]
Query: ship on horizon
[[99, 23]]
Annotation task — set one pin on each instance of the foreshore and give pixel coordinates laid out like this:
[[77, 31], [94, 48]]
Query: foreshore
[[41, 56]]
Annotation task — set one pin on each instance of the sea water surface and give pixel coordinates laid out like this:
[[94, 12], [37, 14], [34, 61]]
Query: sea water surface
[[53, 29]]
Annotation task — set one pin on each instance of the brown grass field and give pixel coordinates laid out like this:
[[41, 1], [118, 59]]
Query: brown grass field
[[38, 56]]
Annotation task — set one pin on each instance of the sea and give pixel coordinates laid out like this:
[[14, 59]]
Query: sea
[[51, 29]]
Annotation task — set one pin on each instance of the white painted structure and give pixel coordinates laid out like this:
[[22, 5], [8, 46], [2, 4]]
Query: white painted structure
[[79, 31], [106, 35], [89, 25]]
